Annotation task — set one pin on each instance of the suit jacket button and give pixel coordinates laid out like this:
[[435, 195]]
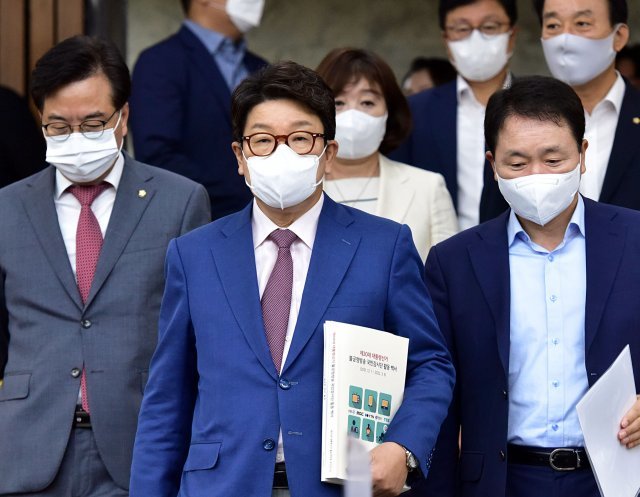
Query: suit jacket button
[[284, 384], [85, 323], [505, 394], [268, 444], [503, 456], [75, 372]]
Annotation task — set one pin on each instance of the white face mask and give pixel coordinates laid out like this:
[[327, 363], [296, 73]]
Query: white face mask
[[358, 134], [479, 57], [245, 14], [284, 178], [81, 159], [576, 60], [540, 197]]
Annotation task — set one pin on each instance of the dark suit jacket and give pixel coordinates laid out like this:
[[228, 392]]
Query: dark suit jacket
[[214, 403], [181, 117], [622, 179], [47, 342], [22, 146], [469, 281]]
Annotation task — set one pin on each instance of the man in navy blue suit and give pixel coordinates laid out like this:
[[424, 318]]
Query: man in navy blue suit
[[180, 105], [535, 306], [233, 405], [447, 120], [580, 40]]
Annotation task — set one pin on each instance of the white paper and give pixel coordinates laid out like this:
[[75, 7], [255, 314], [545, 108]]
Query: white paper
[[358, 483], [617, 469]]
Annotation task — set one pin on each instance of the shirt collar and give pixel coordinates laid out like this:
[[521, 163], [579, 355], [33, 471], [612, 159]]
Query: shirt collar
[[213, 40], [304, 227], [575, 226], [113, 178], [615, 95], [463, 89]]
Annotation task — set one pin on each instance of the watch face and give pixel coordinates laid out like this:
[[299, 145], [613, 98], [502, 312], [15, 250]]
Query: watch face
[[411, 461]]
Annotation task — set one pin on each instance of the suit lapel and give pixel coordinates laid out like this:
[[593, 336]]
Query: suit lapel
[[396, 192], [333, 250], [125, 216], [626, 144], [490, 261], [604, 243], [206, 64], [234, 257], [41, 210]]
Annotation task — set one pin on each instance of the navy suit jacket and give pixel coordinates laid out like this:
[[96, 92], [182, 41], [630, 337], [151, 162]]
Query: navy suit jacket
[[469, 280], [181, 117], [622, 179], [214, 403]]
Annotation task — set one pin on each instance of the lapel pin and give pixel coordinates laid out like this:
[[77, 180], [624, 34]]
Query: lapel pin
[[636, 120], [142, 193]]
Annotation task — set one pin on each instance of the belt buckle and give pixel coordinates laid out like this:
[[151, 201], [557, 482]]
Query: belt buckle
[[556, 452]]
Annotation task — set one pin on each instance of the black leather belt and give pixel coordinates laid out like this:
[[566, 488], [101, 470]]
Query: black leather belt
[[280, 476], [559, 459], [81, 419]]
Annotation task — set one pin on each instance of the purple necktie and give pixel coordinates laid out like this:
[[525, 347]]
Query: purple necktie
[[276, 299], [88, 245]]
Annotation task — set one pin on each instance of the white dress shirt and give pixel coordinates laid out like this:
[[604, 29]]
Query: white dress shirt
[[470, 153], [600, 132], [68, 207], [266, 253], [547, 372]]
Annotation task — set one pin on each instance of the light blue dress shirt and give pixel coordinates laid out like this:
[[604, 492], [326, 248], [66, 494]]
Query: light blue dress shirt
[[227, 54], [547, 373]]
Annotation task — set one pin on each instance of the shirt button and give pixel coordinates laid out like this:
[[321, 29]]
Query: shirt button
[[555, 383], [553, 298], [555, 427], [284, 384], [85, 323], [555, 341], [550, 258], [268, 444], [75, 372]]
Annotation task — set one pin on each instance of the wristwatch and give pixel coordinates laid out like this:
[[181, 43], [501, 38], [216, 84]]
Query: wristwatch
[[412, 462]]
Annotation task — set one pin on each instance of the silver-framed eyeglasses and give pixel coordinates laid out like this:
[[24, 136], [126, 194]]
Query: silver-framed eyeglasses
[[90, 128], [263, 144], [456, 32]]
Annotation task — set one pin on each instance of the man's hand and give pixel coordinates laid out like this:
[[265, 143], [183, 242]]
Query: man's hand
[[388, 469], [629, 435]]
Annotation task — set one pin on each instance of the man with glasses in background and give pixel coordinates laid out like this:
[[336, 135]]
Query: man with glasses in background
[[447, 132], [234, 401], [82, 247]]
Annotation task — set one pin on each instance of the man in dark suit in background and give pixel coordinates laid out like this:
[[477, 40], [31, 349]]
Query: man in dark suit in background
[[535, 306], [180, 106], [82, 248], [21, 143], [580, 40]]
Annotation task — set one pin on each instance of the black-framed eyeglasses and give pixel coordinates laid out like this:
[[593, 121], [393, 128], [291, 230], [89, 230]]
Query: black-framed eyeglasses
[[91, 128], [487, 29], [263, 144]]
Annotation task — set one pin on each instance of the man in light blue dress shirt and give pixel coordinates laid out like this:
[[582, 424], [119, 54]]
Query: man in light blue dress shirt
[[535, 305]]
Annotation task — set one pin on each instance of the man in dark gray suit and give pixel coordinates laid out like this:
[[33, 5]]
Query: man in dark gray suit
[[82, 247]]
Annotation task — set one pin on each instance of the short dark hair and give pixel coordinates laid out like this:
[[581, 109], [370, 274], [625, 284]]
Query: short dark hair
[[186, 4], [284, 80], [447, 6], [534, 97], [440, 70], [78, 58], [618, 10], [343, 66]]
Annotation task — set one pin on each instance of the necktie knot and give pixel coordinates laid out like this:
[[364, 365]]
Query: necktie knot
[[283, 238], [86, 194]]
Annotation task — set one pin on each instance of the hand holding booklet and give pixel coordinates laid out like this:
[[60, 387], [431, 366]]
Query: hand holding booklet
[[364, 378], [600, 411]]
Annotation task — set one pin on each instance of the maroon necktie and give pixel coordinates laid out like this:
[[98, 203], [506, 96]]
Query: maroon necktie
[[276, 299], [88, 245]]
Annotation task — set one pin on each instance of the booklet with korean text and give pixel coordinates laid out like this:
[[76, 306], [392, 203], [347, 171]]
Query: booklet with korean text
[[364, 377]]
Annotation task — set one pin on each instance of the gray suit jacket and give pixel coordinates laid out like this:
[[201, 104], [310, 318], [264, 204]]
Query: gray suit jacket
[[51, 334]]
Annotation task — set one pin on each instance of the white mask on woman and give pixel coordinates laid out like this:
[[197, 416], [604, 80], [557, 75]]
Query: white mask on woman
[[576, 60], [359, 134], [284, 178], [540, 197], [81, 159], [479, 57]]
